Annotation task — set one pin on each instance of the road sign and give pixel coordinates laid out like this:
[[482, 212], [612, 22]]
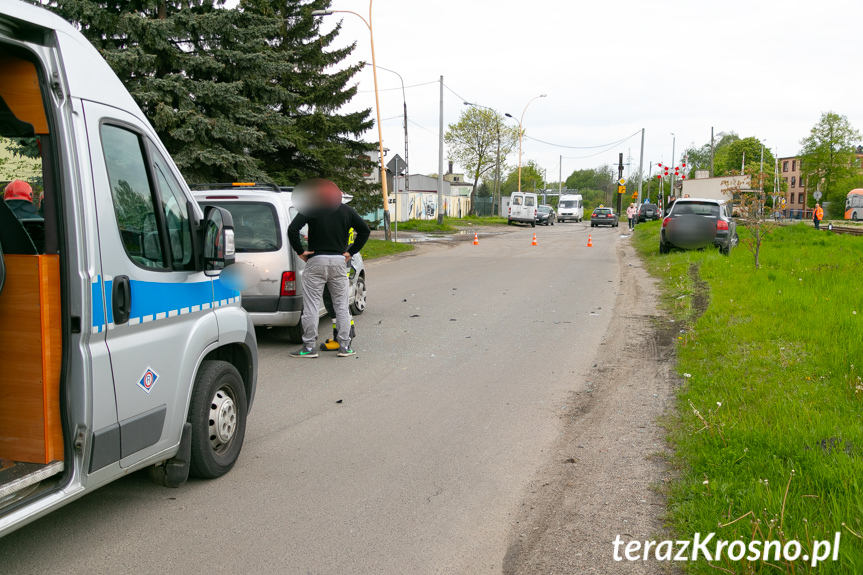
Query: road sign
[[622, 181], [621, 189], [816, 194]]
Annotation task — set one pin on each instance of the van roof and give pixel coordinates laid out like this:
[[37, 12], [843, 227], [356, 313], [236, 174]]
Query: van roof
[[88, 75]]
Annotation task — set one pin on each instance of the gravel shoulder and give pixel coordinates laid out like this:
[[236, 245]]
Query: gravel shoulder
[[603, 476]]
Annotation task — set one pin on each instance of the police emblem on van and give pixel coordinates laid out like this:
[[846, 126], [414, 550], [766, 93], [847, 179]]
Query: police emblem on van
[[148, 380]]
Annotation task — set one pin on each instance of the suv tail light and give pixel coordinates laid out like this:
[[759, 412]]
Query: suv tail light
[[665, 222], [721, 225], [289, 284]]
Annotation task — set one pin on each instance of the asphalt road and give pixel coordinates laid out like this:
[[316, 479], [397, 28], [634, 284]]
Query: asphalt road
[[411, 457]]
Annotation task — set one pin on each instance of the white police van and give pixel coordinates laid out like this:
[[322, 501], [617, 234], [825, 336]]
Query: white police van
[[122, 343]]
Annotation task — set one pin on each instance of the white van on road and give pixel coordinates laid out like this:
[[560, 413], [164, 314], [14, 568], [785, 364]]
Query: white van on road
[[522, 208], [123, 341], [570, 207]]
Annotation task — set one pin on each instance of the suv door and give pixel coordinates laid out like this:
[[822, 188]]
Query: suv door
[[158, 306]]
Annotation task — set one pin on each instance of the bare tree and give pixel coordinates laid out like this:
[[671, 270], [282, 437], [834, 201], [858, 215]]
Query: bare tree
[[750, 207]]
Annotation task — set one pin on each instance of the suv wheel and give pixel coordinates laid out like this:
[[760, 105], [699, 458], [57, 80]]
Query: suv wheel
[[359, 305]]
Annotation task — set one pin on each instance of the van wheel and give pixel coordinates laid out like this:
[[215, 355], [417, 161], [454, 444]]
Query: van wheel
[[359, 305], [218, 417], [533, 224]]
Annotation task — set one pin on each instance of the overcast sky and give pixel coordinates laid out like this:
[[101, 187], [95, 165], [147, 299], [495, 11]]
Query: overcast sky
[[766, 69]]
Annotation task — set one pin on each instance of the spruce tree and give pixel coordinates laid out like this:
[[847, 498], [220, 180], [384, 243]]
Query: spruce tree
[[322, 141], [202, 74]]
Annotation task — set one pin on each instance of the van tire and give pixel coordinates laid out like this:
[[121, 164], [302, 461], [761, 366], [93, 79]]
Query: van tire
[[218, 401]]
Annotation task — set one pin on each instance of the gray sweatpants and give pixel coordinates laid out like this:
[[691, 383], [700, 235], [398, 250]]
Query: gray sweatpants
[[324, 271]]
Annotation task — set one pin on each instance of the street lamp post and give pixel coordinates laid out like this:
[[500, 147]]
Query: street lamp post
[[496, 193], [407, 163], [520, 133], [368, 24]]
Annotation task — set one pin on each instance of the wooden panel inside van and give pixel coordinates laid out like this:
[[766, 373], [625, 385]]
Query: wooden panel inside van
[[30, 354]]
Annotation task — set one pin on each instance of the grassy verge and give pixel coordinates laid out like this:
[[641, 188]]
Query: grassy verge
[[449, 224], [379, 248], [768, 431]]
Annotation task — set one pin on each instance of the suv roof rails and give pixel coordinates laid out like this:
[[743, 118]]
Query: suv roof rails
[[248, 185]]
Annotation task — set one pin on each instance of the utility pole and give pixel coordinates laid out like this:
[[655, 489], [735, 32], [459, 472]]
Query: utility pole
[[496, 195], [619, 177], [640, 167], [440, 160], [711, 151], [560, 179]]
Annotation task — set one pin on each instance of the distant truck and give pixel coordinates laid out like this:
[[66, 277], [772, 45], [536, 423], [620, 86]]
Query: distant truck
[[712, 188], [570, 207]]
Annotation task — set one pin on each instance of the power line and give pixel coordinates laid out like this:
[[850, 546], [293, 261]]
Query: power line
[[399, 88], [583, 147]]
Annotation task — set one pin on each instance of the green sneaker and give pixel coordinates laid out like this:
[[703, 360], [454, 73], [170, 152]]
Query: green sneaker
[[346, 352], [303, 352]]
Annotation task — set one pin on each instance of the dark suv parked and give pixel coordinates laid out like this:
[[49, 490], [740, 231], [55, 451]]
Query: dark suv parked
[[695, 223], [648, 212]]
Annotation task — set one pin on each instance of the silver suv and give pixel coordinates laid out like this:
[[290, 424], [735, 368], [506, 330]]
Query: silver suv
[[261, 218]]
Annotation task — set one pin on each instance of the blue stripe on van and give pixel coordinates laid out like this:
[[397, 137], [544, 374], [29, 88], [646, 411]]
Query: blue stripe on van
[[98, 310], [152, 301]]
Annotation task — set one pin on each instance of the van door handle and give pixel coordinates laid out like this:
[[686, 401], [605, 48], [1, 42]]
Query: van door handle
[[121, 299]]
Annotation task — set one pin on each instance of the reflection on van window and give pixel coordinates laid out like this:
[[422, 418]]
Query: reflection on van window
[[176, 215], [133, 201], [516, 201], [529, 200], [256, 227]]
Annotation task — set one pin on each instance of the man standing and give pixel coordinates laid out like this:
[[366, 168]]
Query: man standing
[[817, 216], [319, 203]]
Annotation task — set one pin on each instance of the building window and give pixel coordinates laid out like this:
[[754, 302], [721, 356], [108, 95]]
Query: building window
[[800, 198], [786, 179], [793, 181], [785, 166], [793, 165]]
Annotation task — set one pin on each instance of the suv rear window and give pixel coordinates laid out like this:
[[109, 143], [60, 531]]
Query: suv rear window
[[256, 227], [697, 208], [602, 211]]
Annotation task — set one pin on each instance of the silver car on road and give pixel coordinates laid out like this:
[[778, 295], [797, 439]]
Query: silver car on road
[[261, 218]]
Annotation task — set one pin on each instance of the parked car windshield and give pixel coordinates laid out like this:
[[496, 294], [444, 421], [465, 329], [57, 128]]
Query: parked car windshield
[[544, 209], [255, 226], [697, 208]]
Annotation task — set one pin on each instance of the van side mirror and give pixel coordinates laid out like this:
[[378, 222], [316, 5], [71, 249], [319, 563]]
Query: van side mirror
[[219, 248]]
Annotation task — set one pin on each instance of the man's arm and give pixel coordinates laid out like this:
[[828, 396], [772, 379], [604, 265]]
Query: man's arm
[[294, 233]]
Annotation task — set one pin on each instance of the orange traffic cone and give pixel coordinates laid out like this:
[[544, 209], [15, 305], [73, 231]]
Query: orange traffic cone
[[475, 239], [533, 243], [589, 242]]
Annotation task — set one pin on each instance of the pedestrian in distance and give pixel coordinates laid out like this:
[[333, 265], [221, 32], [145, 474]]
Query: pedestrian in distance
[[319, 203], [817, 216], [631, 213]]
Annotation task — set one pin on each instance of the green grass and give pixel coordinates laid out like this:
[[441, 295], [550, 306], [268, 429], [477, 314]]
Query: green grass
[[769, 412], [477, 221], [449, 224], [379, 248], [427, 226]]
